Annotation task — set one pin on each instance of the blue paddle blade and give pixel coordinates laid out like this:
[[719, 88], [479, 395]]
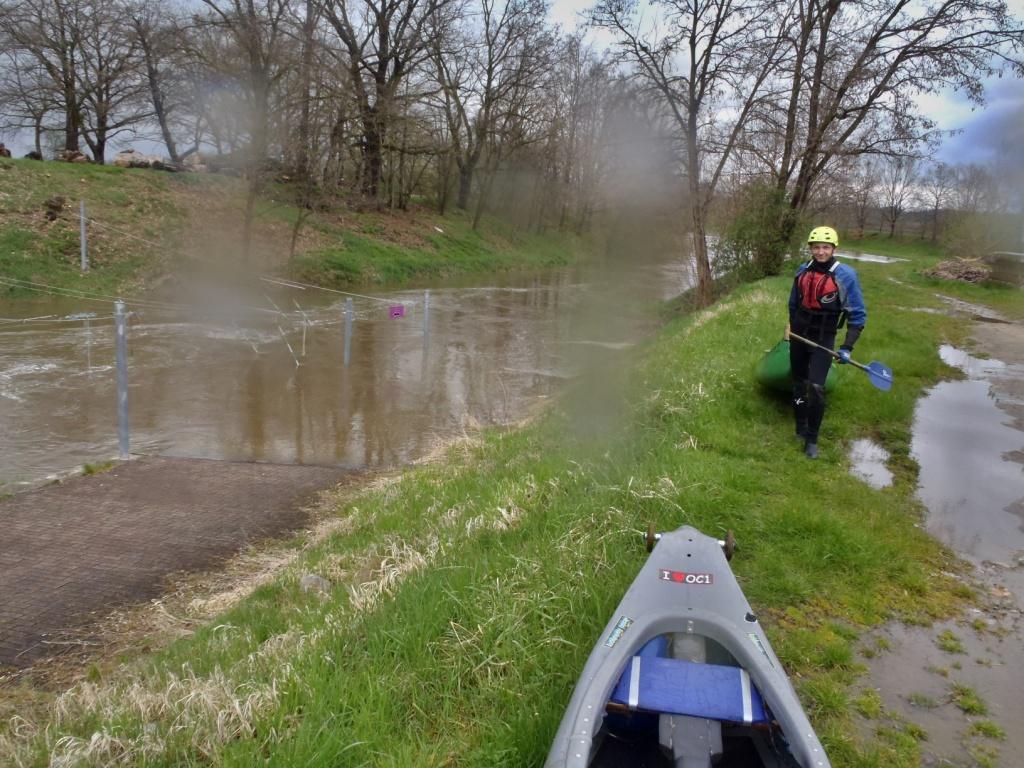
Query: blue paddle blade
[[880, 375]]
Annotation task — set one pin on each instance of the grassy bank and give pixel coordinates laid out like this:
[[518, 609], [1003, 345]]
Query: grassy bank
[[467, 594], [427, 246], [145, 226], [900, 247], [38, 247], [923, 255]]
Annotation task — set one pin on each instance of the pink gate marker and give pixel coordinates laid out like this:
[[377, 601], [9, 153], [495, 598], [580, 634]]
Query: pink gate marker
[[398, 310]]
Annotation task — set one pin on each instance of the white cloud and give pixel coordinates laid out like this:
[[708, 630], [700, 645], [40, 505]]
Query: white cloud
[[568, 13]]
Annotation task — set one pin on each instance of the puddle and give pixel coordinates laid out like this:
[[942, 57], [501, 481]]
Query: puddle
[[872, 257], [869, 463], [962, 441], [974, 311], [968, 439], [922, 668]]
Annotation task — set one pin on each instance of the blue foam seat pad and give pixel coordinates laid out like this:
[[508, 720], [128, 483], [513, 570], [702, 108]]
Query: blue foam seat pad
[[679, 687]]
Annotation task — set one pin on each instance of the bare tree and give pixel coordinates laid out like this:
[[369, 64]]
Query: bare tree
[[975, 191], [257, 35], [899, 175], [937, 188], [855, 66], [25, 96], [110, 77], [478, 66], [714, 52], [50, 32], [163, 48], [383, 41]]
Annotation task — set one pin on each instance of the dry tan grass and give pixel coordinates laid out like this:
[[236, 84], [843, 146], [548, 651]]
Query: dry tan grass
[[204, 711], [398, 561], [702, 318]]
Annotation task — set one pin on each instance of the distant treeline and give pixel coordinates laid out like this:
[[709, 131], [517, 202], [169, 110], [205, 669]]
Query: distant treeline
[[484, 105]]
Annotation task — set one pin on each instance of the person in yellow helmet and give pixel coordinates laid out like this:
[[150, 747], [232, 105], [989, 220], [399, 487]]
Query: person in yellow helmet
[[824, 296]]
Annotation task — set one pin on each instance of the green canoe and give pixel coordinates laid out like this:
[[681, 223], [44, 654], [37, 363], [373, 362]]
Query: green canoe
[[773, 370]]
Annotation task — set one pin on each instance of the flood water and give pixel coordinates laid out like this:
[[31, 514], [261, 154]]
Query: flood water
[[212, 384], [965, 443], [871, 257], [968, 440]]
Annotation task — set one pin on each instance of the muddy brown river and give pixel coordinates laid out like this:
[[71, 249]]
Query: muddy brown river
[[248, 383]]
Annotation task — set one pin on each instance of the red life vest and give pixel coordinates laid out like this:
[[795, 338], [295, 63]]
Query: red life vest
[[818, 291]]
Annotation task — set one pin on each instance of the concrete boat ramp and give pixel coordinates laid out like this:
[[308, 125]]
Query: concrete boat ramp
[[72, 552]]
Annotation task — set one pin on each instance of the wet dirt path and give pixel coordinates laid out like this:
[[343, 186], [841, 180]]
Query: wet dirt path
[[962, 681]]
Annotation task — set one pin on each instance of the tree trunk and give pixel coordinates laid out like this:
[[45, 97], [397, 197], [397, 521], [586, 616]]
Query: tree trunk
[[700, 255], [157, 97], [485, 193], [165, 131], [71, 124], [700, 243], [250, 208], [444, 170], [299, 221], [465, 186], [372, 159]]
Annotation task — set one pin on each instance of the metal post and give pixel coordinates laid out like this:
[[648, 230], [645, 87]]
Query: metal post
[[305, 325], [426, 335], [348, 330], [82, 236], [120, 321], [426, 315], [88, 345]]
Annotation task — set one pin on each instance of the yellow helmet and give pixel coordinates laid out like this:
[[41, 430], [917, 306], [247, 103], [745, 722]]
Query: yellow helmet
[[824, 235]]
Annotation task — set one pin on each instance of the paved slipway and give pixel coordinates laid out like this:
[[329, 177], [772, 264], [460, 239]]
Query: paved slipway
[[969, 443], [71, 553]]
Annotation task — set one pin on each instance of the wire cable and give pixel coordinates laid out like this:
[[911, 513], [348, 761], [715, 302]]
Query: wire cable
[[126, 234], [304, 286], [151, 304]]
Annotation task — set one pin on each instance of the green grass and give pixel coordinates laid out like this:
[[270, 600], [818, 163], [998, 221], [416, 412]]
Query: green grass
[[362, 258], [143, 223], [468, 593], [922, 255], [899, 247], [968, 700], [949, 642], [98, 468], [986, 729], [984, 755], [922, 701], [32, 248]]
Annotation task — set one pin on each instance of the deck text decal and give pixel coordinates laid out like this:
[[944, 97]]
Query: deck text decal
[[679, 577]]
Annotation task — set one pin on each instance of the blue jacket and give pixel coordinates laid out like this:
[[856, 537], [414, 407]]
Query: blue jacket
[[851, 300]]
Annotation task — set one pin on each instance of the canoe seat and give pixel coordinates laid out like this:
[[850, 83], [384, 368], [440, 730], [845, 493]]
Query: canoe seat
[[675, 686]]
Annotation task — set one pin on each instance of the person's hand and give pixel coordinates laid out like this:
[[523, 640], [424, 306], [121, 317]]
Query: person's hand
[[844, 355]]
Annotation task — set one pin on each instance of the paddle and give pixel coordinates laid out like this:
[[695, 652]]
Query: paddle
[[880, 374]]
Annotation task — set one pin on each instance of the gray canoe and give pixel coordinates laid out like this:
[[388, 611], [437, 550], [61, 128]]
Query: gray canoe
[[683, 676]]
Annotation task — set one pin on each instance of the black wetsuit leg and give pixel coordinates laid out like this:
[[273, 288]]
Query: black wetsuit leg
[[810, 367], [820, 362], [799, 359]]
